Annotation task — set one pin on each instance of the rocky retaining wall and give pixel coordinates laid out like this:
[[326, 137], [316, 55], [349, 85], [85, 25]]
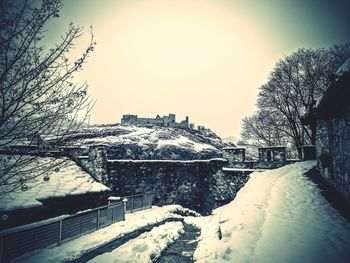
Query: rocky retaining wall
[[199, 184]]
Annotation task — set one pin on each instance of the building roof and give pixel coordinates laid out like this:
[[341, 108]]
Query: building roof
[[344, 68], [334, 98], [67, 180]]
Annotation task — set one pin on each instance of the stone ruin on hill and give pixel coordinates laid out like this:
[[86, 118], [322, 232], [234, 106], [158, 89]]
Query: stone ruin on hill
[[165, 121]]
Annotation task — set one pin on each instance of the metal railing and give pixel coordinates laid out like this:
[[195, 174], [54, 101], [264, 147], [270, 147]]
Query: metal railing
[[138, 202], [17, 241]]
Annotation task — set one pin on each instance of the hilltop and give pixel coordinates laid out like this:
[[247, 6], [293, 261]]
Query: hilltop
[[141, 143]]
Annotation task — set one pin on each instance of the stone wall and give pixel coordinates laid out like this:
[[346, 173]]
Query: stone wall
[[234, 155], [333, 151], [271, 157], [196, 184], [200, 185]]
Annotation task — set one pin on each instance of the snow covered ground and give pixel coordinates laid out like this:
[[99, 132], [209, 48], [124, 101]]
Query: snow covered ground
[[77, 247], [146, 247], [278, 216]]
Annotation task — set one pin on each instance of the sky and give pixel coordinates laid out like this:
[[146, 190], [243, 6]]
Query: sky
[[205, 59]]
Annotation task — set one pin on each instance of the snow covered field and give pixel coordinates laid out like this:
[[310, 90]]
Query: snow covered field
[[279, 216]]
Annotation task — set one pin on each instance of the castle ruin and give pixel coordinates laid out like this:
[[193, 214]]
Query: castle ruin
[[165, 121]]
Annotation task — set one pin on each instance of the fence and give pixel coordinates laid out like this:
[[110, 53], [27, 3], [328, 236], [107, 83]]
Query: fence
[[17, 241], [138, 202]]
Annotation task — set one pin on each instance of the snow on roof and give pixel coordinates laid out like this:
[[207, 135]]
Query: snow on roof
[[344, 68], [68, 180], [331, 96]]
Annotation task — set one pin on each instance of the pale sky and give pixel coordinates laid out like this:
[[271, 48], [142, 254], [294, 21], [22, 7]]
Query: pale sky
[[205, 59]]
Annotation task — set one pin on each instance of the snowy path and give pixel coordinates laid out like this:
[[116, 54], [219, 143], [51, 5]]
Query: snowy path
[[183, 248], [146, 247], [279, 216], [164, 242], [113, 245]]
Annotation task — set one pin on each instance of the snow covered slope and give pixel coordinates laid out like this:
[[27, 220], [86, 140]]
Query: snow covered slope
[[133, 142], [278, 216]]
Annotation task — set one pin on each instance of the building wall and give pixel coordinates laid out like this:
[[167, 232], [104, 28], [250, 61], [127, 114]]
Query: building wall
[[169, 119], [129, 119], [333, 151]]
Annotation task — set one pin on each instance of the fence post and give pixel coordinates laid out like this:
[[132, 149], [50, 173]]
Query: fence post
[[132, 204], [60, 233], [124, 201], [1, 248], [112, 208], [98, 219], [142, 201]]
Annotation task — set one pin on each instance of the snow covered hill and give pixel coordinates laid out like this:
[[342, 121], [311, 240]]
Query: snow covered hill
[[133, 142]]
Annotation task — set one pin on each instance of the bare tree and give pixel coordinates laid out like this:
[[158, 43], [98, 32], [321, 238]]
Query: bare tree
[[264, 128], [293, 88], [38, 97]]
